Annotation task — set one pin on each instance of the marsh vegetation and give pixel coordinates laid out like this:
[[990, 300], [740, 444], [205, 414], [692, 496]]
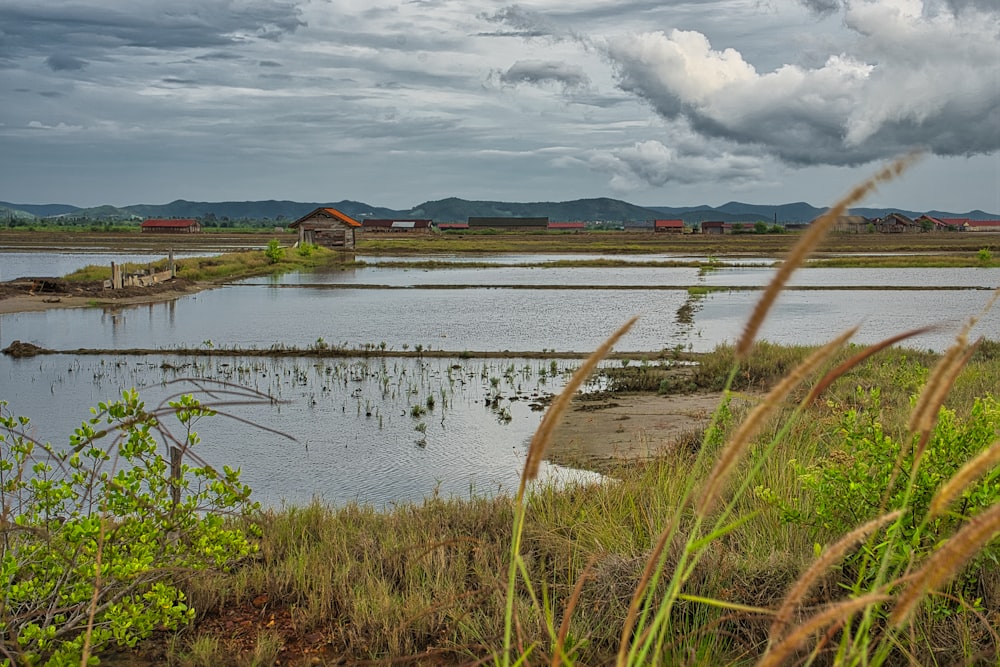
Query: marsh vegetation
[[841, 507]]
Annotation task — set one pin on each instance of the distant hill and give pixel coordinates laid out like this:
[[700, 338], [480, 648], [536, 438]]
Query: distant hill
[[792, 213], [579, 210], [254, 210], [454, 209], [40, 210]]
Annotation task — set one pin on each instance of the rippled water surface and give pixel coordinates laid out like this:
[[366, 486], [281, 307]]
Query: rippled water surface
[[467, 442]]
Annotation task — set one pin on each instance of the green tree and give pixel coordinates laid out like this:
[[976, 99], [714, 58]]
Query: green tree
[[760, 227]]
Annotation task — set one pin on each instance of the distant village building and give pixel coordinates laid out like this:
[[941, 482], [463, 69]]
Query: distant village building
[[716, 227], [327, 227], [851, 224], [896, 223], [449, 226], [567, 226], [637, 225], [513, 224], [932, 224], [387, 225], [668, 226], [158, 226], [981, 226]]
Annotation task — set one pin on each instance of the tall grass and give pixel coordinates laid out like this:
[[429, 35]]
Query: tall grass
[[709, 512], [711, 555]]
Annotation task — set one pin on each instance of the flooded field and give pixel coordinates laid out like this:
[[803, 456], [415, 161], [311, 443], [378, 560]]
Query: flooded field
[[377, 431], [384, 431]]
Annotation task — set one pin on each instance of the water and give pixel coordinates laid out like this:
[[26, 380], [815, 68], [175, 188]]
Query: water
[[491, 319], [354, 421], [341, 453]]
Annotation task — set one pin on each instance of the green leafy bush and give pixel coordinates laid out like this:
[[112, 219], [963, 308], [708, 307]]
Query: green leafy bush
[[274, 252], [94, 535], [855, 482]]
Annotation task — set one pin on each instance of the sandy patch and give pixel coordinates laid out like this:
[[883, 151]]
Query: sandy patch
[[629, 426], [25, 302]]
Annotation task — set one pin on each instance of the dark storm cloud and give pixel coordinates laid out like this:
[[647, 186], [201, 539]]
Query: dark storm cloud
[[32, 26], [520, 20], [539, 71], [269, 63], [218, 55], [60, 63], [822, 7]]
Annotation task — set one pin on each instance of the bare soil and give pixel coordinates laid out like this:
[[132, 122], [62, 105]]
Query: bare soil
[[35, 294], [599, 432]]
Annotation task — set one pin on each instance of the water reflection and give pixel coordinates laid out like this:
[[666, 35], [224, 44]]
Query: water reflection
[[377, 431], [494, 319]]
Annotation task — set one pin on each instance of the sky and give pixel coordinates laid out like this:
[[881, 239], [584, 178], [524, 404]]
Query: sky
[[395, 102]]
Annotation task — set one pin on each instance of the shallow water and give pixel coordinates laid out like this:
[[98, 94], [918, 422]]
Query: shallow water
[[343, 454], [353, 420]]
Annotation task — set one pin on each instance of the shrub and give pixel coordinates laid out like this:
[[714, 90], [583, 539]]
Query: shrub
[[274, 252], [985, 256], [93, 536], [856, 482]]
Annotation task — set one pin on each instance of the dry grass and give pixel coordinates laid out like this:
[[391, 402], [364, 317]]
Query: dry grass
[[646, 569]]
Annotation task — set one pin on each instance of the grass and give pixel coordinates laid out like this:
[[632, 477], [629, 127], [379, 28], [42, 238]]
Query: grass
[[797, 531], [966, 259], [226, 266], [428, 580], [618, 243]]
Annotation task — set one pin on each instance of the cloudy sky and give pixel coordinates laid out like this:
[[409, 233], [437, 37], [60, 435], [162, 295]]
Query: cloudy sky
[[394, 102]]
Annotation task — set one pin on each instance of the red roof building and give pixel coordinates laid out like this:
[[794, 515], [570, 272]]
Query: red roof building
[[716, 227], [981, 226], [159, 226], [669, 226]]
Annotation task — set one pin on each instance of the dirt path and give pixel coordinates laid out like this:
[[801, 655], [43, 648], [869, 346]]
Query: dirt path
[[629, 426]]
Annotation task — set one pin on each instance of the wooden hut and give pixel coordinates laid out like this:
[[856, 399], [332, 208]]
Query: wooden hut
[[327, 227], [158, 226]]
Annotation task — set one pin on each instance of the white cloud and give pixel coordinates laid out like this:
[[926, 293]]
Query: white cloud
[[917, 79]]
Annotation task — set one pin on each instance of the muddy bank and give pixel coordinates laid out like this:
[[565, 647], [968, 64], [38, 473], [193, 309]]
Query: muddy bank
[[37, 294]]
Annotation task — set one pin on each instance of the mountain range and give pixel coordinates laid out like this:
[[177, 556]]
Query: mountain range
[[454, 209]]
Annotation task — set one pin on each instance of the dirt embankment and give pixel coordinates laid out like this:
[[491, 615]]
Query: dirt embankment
[[35, 294]]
